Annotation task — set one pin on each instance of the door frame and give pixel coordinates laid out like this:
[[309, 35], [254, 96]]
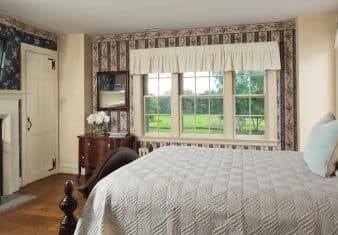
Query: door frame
[[23, 49]]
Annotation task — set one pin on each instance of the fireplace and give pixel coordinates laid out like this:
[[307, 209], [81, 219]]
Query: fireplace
[[1, 166], [9, 144]]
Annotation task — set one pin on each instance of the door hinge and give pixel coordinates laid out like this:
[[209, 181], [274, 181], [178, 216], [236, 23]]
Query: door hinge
[[53, 63], [53, 164]]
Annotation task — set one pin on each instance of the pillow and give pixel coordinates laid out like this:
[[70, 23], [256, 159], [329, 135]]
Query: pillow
[[321, 145], [325, 119], [332, 164]]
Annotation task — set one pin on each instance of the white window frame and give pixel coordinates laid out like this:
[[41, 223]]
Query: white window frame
[[181, 96], [229, 136], [144, 107]]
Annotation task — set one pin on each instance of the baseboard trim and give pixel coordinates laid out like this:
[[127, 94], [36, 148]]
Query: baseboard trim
[[68, 170]]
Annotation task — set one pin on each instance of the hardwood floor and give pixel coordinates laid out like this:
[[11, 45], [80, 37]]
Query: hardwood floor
[[41, 215]]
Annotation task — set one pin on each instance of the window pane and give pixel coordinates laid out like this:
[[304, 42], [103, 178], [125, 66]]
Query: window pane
[[250, 125], [188, 86], [202, 85], [242, 82], [164, 105], [257, 82], [165, 86], [151, 87], [202, 124], [216, 124], [188, 106], [242, 106], [243, 126], [216, 105], [258, 125], [216, 85], [151, 122], [164, 123], [151, 105], [202, 105], [188, 124], [257, 106]]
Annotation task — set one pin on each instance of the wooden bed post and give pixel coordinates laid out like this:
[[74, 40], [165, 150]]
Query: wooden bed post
[[68, 206]]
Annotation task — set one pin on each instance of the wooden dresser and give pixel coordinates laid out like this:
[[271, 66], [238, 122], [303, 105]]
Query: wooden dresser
[[93, 149]]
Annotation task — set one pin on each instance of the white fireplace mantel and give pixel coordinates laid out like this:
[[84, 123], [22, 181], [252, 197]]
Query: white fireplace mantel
[[9, 113]]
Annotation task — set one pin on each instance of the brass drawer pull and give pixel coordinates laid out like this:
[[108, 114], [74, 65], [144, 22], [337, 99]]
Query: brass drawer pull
[[108, 145], [83, 157], [88, 144]]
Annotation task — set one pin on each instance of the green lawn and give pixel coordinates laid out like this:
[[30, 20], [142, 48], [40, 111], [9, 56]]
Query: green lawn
[[202, 124], [244, 126]]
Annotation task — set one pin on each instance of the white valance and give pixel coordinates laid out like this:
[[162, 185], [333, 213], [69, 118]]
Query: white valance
[[227, 57]]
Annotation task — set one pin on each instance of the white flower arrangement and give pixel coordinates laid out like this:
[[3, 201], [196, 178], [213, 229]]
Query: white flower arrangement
[[98, 118]]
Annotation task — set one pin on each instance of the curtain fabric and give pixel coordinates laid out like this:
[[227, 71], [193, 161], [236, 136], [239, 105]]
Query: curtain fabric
[[227, 57]]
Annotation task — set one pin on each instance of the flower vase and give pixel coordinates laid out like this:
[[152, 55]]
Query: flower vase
[[97, 130]]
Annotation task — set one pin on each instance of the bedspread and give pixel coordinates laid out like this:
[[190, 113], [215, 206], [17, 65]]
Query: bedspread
[[195, 190]]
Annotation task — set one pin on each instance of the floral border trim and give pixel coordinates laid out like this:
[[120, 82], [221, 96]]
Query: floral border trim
[[12, 22], [283, 25]]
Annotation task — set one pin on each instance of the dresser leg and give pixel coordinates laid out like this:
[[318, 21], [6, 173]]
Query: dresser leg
[[79, 175]]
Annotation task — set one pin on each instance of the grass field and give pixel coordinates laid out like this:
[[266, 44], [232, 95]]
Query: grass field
[[199, 124]]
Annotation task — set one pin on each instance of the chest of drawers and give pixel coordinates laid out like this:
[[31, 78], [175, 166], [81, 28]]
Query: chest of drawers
[[93, 149]]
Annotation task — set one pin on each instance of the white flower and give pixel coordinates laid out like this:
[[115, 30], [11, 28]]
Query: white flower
[[98, 118], [101, 113], [106, 119], [91, 119]]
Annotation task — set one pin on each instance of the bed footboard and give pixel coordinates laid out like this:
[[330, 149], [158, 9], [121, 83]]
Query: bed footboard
[[68, 206], [113, 161]]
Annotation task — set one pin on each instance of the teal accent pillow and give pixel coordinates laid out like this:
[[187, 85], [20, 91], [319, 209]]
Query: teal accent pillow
[[321, 144]]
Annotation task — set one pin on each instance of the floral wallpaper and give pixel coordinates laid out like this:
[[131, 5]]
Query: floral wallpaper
[[10, 79], [111, 53]]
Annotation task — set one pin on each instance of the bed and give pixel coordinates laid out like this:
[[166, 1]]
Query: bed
[[195, 190]]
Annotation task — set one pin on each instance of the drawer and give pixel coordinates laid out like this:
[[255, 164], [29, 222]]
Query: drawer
[[99, 145]]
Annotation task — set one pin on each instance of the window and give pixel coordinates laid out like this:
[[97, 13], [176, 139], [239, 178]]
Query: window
[[249, 102], [223, 106], [202, 102], [157, 110]]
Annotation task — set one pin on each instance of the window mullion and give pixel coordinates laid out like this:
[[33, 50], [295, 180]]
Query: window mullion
[[175, 105], [138, 105], [228, 106]]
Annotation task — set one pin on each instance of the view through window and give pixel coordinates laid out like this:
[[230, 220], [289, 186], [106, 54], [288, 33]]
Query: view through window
[[202, 105]]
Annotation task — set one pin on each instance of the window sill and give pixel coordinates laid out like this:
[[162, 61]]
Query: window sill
[[209, 140]]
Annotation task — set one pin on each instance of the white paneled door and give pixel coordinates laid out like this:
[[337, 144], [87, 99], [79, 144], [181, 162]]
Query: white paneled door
[[40, 113]]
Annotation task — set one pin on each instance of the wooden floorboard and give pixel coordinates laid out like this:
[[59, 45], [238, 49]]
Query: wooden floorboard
[[41, 215]]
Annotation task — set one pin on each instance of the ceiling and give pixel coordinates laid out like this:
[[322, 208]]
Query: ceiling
[[117, 16]]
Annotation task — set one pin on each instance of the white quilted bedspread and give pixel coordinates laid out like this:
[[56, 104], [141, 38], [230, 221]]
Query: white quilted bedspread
[[193, 190]]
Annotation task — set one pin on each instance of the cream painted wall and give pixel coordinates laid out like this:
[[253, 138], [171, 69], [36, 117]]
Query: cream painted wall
[[316, 71], [73, 97], [336, 47]]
